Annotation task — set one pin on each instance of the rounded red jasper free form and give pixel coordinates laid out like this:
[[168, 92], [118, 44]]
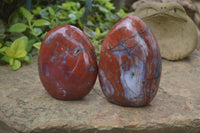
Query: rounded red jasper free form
[[130, 63], [67, 63]]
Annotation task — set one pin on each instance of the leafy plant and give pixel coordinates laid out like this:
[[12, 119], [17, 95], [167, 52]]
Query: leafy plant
[[32, 27], [26, 30], [15, 53], [66, 13], [25, 35], [103, 17]]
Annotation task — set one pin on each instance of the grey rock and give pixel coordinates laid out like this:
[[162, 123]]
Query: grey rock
[[25, 106]]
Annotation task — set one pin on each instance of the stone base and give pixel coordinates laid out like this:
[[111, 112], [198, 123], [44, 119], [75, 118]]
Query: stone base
[[25, 107]]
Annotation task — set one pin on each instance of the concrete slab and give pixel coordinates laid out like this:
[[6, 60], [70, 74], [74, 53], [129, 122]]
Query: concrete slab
[[25, 107]]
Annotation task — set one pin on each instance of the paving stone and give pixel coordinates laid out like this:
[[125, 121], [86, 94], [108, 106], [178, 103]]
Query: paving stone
[[25, 106]]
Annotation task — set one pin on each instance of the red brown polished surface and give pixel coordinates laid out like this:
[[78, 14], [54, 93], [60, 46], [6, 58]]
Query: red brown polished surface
[[67, 63], [130, 63]]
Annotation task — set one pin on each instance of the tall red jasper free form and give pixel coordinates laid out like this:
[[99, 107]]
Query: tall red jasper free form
[[130, 63], [67, 63]]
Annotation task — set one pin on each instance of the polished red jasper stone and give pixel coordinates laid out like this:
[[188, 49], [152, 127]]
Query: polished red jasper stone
[[67, 63], [130, 63]]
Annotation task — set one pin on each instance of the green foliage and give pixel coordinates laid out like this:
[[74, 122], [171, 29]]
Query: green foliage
[[26, 30], [41, 22], [27, 15], [104, 16], [17, 49], [15, 53], [66, 13], [37, 45], [24, 35], [18, 27]]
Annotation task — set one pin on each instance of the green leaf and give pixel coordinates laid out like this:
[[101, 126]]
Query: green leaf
[[90, 23], [11, 61], [44, 14], [110, 6], [111, 17], [37, 45], [78, 5], [15, 35], [73, 17], [30, 45], [90, 33], [80, 12], [17, 49], [6, 58], [68, 5], [1, 45], [55, 7], [36, 31], [16, 65], [25, 40], [2, 27], [102, 2], [121, 13], [80, 23], [8, 43], [37, 10], [51, 11], [41, 22], [26, 59], [43, 35], [18, 27], [98, 32], [103, 9], [3, 49], [27, 14], [13, 18]]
